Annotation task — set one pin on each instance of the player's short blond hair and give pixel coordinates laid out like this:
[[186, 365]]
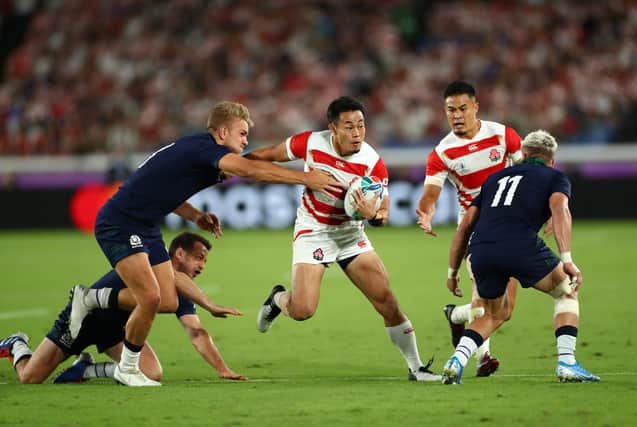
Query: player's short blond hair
[[540, 142], [224, 112]]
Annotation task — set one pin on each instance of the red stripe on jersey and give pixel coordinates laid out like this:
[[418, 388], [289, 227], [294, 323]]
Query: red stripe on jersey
[[320, 219], [302, 232], [512, 140], [380, 170], [324, 207], [464, 199], [435, 164], [455, 152], [476, 179], [329, 160], [298, 144]]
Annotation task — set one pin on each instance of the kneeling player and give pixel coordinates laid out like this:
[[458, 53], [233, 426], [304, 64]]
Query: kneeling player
[[105, 329]]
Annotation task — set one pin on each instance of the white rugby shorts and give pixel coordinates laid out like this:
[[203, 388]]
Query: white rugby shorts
[[328, 246]]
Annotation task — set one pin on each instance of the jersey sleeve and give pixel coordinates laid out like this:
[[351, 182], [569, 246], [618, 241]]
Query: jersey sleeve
[[380, 170], [513, 143], [436, 172], [185, 307], [217, 151], [297, 145], [561, 184]]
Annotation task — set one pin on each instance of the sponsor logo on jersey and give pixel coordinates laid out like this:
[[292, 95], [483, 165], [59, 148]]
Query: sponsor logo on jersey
[[340, 164], [494, 155], [473, 147], [135, 241], [318, 254]]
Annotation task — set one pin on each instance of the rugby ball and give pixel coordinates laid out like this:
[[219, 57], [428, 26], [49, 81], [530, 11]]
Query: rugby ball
[[370, 186]]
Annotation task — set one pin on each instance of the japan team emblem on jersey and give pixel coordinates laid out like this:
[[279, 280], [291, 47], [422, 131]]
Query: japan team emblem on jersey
[[494, 155], [318, 254]]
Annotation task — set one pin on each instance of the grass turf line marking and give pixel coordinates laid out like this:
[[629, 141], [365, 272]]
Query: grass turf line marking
[[18, 314]]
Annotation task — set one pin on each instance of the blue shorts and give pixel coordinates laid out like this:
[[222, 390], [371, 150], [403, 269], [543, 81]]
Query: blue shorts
[[102, 328], [121, 240], [492, 264]]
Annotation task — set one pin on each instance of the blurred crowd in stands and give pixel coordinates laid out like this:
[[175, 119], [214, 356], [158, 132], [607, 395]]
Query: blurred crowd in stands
[[83, 76]]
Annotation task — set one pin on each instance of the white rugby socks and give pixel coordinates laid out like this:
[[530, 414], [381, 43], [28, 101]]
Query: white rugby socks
[[100, 370], [404, 337], [97, 298]]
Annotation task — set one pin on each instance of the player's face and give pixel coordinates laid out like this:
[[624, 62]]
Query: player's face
[[349, 132], [461, 111], [192, 263], [235, 135]]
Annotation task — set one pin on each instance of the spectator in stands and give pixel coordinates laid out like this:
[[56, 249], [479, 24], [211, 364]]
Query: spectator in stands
[[577, 78]]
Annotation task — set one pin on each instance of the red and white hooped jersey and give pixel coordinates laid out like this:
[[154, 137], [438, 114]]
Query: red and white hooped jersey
[[318, 210], [468, 162]]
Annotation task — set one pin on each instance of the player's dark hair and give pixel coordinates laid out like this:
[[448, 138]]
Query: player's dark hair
[[459, 88], [342, 105], [186, 241]]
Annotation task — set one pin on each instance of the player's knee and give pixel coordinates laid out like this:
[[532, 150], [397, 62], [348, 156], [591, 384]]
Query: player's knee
[[301, 315], [168, 304], [386, 299], [564, 298], [150, 301], [156, 373], [27, 377], [563, 288], [301, 312]]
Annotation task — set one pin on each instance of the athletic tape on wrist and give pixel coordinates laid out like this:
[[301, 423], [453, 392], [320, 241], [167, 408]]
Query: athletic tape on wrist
[[566, 257]]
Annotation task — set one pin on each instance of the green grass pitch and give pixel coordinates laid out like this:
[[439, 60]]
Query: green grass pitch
[[339, 367]]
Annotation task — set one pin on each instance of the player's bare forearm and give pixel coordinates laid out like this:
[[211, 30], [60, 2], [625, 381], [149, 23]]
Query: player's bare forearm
[[562, 222], [259, 170], [202, 341], [273, 153], [188, 289], [188, 212], [382, 215]]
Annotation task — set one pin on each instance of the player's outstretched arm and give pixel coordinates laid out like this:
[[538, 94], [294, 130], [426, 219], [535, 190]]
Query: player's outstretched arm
[[259, 170], [427, 208], [202, 341], [273, 153], [187, 288]]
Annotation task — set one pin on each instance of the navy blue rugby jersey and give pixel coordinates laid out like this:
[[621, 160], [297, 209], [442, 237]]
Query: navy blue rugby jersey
[[514, 202], [166, 179]]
